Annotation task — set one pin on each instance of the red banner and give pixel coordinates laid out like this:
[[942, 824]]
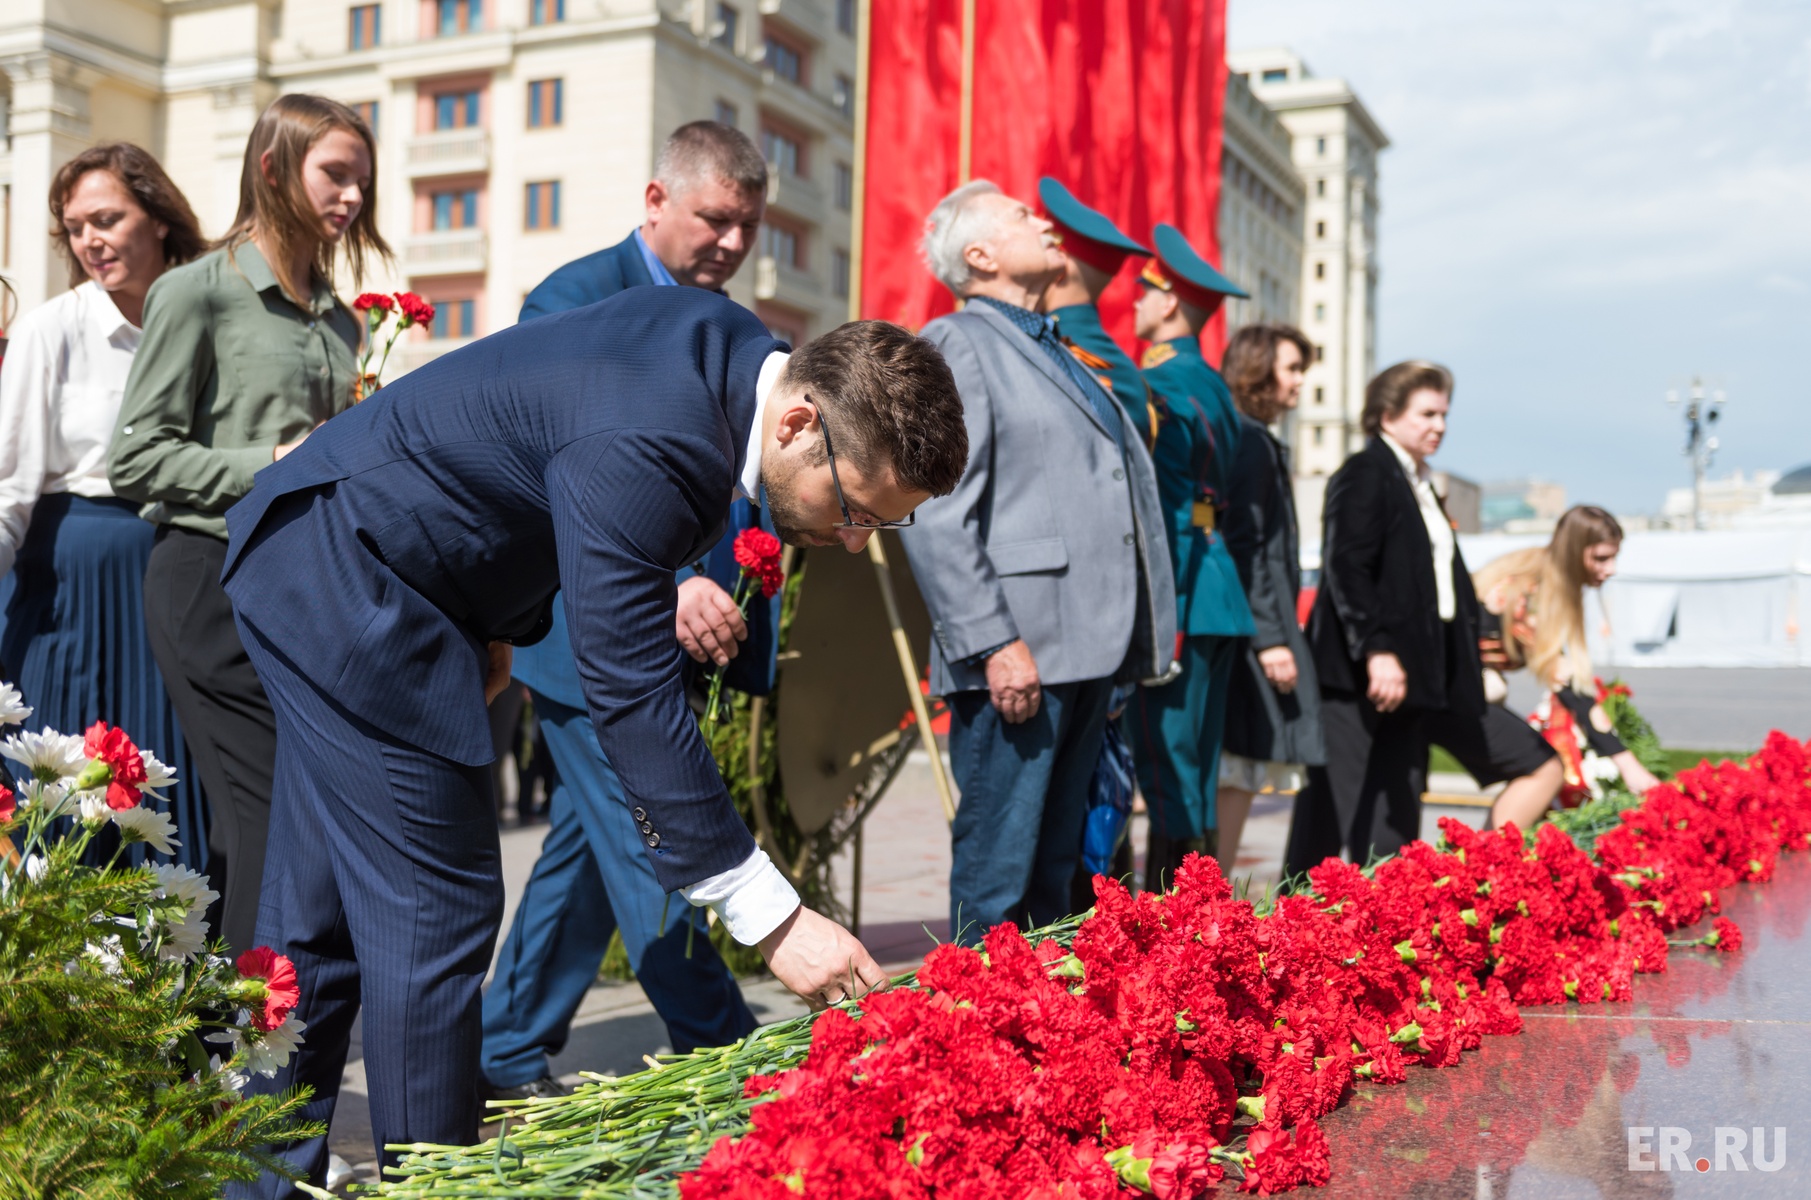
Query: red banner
[[1119, 99]]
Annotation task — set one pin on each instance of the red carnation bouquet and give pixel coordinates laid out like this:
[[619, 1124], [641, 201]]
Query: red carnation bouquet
[[409, 309], [758, 554]]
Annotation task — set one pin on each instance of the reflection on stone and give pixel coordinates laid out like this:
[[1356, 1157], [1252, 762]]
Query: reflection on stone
[[1714, 1049]]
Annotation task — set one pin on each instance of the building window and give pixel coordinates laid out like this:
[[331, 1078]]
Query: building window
[[546, 103], [786, 60], [1320, 270], [1320, 147], [456, 209], [543, 207], [456, 110], [845, 186], [1320, 312], [728, 114], [839, 274], [366, 26], [842, 95], [783, 245], [1318, 431], [729, 21], [1320, 229], [1320, 187], [1320, 395], [785, 152], [845, 17], [546, 12], [368, 112], [1276, 75], [1320, 353], [454, 319], [458, 16]]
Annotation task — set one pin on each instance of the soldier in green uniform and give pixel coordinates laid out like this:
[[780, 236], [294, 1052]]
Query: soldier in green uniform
[[1175, 729], [1094, 250]]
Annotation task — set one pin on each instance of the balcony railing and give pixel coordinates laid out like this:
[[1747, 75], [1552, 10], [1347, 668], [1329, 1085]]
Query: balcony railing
[[788, 285], [447, 252], [449, 152]]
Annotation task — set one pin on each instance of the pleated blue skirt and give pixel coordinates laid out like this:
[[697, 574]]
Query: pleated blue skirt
[[74, 641]]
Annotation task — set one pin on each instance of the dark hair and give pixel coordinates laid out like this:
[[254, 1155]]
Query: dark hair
[[1250, 365], [710, 149], [893, 399], [1388, 394], [281, 211], [141, 175]]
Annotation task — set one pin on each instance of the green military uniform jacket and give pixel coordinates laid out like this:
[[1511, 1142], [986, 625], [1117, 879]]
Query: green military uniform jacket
[[1197, 444], [1080, 323]]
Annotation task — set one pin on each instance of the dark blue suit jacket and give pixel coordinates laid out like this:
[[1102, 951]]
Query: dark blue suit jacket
[[598, 449], [548, 666]]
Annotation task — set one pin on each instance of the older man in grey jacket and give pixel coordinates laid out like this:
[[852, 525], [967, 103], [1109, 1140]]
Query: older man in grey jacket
[[1045, 571]]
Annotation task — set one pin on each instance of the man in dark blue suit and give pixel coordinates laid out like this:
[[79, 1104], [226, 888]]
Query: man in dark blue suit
[[381, 573], [592, 878]]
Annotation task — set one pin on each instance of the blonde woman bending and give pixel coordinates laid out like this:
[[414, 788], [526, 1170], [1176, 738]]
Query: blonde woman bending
[[1535, 598]]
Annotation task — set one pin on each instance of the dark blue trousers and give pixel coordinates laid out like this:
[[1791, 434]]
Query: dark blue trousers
[[383, 884], [1018, 831], [592, 878]]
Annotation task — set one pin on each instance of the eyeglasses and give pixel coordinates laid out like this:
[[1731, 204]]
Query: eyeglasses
[[850, 522]]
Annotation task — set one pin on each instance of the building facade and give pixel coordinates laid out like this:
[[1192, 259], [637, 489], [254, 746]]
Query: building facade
[[1335, 147], [513, 135], [1262, 207]]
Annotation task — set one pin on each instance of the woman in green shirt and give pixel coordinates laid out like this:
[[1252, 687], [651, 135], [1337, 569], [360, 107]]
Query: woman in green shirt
[[245, 351]]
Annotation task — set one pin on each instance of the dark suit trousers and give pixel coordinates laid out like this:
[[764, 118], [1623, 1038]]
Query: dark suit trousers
[[385, 889], [1367, 799], [225, 716]]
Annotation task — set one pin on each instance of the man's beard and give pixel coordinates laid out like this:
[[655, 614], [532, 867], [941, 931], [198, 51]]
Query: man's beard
[[783, 506]]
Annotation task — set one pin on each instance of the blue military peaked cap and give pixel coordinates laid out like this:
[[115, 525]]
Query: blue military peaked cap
[[1179, 268], [1091, 235]]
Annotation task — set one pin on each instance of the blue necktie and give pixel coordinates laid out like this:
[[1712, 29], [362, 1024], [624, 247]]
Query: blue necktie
[[1039, 330]]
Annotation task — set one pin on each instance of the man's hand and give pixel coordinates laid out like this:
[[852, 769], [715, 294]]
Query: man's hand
[[709, 625], [1012, 682], [1279, 667], [496, 676], [1389, 683], [819, 960]]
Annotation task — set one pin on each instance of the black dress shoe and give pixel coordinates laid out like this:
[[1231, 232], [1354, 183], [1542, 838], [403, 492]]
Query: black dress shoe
[[544, 1088]]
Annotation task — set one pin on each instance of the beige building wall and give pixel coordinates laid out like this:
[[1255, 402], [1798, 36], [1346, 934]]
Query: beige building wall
[[187, 79], [1262, 207], [1336, 144]]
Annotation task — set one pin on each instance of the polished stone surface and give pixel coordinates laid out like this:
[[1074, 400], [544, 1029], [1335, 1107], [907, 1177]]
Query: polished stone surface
[[1716, 1042]]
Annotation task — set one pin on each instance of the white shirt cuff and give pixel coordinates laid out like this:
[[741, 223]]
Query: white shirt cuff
[[752, 899]]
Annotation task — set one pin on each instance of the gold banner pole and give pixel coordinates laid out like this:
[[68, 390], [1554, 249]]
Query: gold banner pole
[[966, 146], [909, 668], [858, 200]]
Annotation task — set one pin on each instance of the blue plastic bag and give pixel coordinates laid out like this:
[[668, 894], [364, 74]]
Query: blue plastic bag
[[1109, 802]]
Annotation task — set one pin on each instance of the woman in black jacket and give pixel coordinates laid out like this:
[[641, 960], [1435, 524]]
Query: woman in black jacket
[[1394, 634], [1273, 722]]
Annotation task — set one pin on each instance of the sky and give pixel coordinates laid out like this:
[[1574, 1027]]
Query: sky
[[1585, 203]]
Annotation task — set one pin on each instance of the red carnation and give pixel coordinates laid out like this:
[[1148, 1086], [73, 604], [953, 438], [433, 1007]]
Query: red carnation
[[113, 760], [370, 300], [415, 309], [278, 975], [1725, 935], [758, 553], [6, 803]]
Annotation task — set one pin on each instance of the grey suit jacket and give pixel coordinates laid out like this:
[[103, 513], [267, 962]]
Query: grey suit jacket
[[1051, 536]]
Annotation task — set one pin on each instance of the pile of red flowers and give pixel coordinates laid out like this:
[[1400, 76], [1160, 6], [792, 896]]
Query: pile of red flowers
[[1132, 1063]]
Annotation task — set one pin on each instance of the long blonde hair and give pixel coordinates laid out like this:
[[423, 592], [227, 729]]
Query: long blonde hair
[[1552, 580], [280, 211]]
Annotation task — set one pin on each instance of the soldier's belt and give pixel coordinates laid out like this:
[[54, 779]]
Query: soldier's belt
[[1203, 516]]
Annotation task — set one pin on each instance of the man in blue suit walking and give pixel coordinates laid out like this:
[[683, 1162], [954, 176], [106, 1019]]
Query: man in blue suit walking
[[704, 207], [381, 573]]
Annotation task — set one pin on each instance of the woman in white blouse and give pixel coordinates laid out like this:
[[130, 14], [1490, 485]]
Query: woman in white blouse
[[73, 556]]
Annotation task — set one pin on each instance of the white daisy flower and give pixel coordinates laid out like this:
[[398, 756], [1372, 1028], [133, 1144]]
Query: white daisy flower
[[94, 807], [270, 1052], [158, 775], [48, 756], [36, 868], [13, 709], [54, 799], [147, 825], [187, 937], [232, 1080], [109, 952]]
